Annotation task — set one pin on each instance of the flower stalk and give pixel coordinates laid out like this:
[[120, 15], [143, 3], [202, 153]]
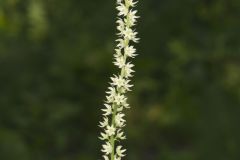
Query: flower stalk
[[116, 100]]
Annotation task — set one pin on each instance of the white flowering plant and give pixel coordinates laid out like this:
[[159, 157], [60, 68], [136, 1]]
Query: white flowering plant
[[116, 99]]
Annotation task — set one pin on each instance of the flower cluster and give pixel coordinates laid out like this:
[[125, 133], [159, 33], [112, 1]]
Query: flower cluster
[[116, 100]]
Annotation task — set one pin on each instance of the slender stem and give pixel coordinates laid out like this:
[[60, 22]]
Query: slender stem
[[112, 138]]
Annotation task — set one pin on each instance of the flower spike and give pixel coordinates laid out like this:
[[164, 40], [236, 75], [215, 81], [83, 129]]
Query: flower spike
[[116, 99]]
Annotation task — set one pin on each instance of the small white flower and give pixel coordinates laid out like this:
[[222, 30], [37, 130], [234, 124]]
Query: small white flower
[[126, 86], [132, 18], [104, 123], [120, 62], [110, 99], [118, 53], [125, 104], [128, 70], [123, 10], [111, 93], [129, 51], [105, 157], [108, 110], [103, 136], [121, 83], [120, 151], [130, 34], [119, 119], [120, 135], [107, 148], [121, 43], [118, 81], [135, 39], [131, 3], [121, 26], [110, 130], [120, 99]]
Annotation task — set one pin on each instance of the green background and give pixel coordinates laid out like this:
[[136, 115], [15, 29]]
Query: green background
[[56, 60]]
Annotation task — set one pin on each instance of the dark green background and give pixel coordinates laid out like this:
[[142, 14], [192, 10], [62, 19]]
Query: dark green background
[[55, 64]]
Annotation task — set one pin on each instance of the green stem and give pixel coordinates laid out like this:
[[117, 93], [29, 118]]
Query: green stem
[[112, 139]]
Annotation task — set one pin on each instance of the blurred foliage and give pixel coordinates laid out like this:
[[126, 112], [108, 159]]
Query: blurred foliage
[[56, 58]]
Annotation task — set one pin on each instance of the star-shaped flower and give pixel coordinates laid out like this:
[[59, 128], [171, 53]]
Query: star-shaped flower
[[129, 51], [120, 135], [121, 26], [120, 99], [130, 34], [107, 148], [120, 62], [128, 70], [118, 81], [123, 10], [104, 123], [131, 3], [110, 130], [132, 18], [121, 43], [120, 151], [119, 120], [107, 110], [105, 157], [103, 136]]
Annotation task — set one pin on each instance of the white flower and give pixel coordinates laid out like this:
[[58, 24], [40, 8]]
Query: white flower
[[126, 86], [132, 18], [120, 151], [110, 130], [105, 157], [103, 136], [123, 10], [129, 51], [121, 43], [131, 3], [112, 93], [120, 62], [120, 135], [119, 119], [107, 148], [118, 53], [104, 123], [110, 99], [128, 70], [130, 34], [108, 110], [125, 104], [121, 83], [121, 26], [120, 99], [118, 81]]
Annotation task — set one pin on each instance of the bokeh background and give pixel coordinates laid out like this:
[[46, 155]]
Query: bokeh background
[[55, 64]]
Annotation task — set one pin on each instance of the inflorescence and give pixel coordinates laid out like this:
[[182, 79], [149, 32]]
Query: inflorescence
[[116, 100]]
